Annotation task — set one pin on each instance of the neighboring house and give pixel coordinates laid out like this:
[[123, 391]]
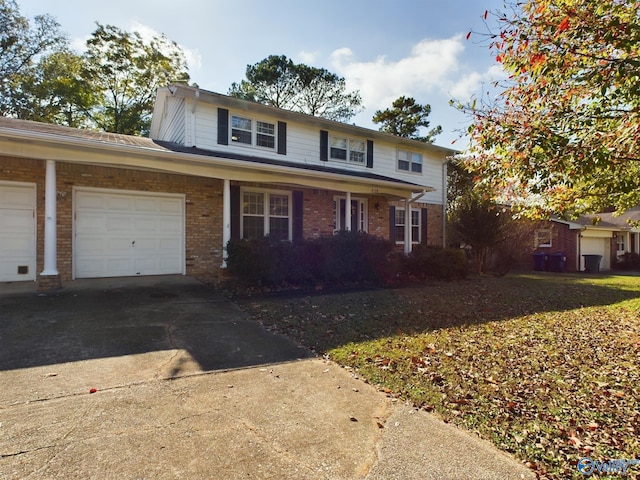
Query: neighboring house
[[82, 204], [603, 234]]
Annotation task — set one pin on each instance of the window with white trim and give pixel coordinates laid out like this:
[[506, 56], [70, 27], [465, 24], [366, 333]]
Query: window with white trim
[[348, 149], [409, 161], [620, 241], [266, 213], [358, 212], [543, 238], [257, 133], [400, 223]]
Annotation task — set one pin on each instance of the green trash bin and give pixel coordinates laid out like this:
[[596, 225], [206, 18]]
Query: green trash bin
[[592, 263]]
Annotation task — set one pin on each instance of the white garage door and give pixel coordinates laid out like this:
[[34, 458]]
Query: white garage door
[[596, 246], [17, 232], [121, 234]]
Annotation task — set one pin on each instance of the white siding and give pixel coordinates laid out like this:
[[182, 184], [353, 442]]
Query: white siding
[[173, 128], [303, 146]]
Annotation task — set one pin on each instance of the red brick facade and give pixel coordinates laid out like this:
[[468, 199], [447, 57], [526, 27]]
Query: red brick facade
[[563, 240], [203, 209]]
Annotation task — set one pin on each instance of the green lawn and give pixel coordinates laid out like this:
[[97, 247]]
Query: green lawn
[[546, 366]]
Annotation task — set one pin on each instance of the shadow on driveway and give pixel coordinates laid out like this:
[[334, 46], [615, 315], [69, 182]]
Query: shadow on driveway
[[101, 318]]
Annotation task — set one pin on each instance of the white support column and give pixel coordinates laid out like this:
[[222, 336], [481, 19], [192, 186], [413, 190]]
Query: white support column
[[226, 220], [407, 226], [347, 212], [50, 237]]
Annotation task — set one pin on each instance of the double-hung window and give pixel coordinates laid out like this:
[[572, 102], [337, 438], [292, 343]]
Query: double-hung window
[[258, 133], [409, 161], [348, 149], [266, 213], [401, 222]]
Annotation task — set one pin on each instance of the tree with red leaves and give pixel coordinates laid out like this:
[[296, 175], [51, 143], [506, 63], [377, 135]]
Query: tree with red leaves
[[563, 135]]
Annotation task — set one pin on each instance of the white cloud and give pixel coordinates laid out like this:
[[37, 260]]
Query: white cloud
[[470, 85], [307, 58], [428, 69], [193, 56]]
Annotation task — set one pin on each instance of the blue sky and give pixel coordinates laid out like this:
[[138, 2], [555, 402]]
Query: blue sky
[[384, 49]]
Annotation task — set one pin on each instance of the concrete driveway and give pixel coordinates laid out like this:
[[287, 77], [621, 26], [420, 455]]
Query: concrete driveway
[[163, 378]]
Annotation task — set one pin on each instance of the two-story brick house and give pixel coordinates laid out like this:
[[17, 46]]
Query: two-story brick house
[[82, 204]]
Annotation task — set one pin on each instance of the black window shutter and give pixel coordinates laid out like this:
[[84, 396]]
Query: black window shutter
[[392, 223], [282, 138], [369, 153], [298, 215], [223, 126], [423, 223], [235, 212], [324, 145]]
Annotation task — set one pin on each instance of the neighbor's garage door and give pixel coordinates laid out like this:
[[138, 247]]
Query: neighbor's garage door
[[17, 232], [121, 233], [596, 246]]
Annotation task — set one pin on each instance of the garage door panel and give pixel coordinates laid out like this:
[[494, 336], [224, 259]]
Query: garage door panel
[[17, 197], [146, 224], [17, 232], [89, 222], [170, 225], [168, 244], [91, 202], [16, 220], [146, 245], [119, 223], [137, 236], [120, 203]]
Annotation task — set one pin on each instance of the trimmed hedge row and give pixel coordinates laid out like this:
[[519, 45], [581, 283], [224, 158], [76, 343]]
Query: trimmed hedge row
[[344, 258], [630, 261]]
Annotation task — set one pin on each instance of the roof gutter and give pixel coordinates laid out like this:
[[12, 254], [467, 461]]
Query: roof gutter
[[38, 145]]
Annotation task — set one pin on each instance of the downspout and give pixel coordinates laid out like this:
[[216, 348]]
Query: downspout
[[579, 261], [444, 200]]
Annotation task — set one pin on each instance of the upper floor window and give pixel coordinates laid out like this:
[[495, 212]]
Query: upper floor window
[[409, 161], [348, 149], [249, 132]]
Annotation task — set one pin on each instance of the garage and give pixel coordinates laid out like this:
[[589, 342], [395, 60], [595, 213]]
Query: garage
[[17, 231], [596, 246], [123, 233]]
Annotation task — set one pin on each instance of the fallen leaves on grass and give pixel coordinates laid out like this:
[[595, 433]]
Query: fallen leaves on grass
[[547, 367]]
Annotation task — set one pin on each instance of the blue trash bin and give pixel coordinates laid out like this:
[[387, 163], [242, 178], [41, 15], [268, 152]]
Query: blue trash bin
[[540, 261], [557, 262]]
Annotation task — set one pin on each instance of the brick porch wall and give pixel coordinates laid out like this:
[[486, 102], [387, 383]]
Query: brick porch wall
[[318, 215], [203, 207]]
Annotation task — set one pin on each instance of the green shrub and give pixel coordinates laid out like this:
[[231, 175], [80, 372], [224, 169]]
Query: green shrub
[[437, 262], [630, 261], [347, 257]]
